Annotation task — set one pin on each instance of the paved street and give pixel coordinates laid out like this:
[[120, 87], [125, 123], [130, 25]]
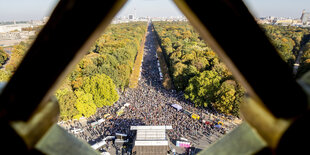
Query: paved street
[[150, 104]]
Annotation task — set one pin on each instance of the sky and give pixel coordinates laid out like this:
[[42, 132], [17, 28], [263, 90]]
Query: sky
[[36, 9], [278, 8], [21, 10], [152, 8]]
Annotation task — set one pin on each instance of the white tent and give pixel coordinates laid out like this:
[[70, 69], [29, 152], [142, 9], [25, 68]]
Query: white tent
[[98, 145], [101, 121], [127, 105], [178, 107]]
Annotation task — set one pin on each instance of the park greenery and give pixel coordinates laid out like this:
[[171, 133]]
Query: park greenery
[[205, 80], [134, 78], [105, 69], [96, 79], [305, 60], [3, 57], [288, 40], [17, 53], [196, 69]]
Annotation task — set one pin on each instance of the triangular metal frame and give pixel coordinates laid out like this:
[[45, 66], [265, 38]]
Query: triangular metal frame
[[276, 104]]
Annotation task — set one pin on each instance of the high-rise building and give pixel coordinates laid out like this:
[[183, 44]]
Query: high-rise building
[[305, 17], [131, 17]]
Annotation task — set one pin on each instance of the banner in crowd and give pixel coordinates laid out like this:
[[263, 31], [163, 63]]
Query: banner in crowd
[[183, 144]]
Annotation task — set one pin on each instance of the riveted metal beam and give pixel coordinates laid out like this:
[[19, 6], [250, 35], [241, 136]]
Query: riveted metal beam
[[276, 100], [72, 28], [230, 30]]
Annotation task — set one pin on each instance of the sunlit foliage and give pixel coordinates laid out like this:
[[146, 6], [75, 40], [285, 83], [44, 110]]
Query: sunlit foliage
[[196, 69], [93, 83]]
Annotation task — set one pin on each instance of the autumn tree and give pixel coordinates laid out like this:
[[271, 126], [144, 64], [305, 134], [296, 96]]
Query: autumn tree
[[66, 99], [225, 97], [102, 89], [201, 89], [3, 56], [196, 69], [4, 75], [18, 53], [84, 104]]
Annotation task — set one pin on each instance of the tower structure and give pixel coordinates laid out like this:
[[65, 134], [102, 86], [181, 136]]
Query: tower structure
[[135, 13], [305, 17]]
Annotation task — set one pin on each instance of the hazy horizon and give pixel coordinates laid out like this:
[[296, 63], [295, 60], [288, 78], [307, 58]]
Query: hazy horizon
[[277, 8], [25, 10]]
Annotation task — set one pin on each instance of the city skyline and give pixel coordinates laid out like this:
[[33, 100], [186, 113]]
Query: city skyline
[[277, 8], [22, 10], [25, 10], [150, 8]]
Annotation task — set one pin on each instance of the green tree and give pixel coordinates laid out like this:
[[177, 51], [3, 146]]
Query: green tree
[[201, 63], [201, 89], [18, 53], [228, 98], [102, 89], [84, 104], [4, 76], [223, 71], [239, 99], [3, 56], [166, 43], [177, 75], [196, 69], [66, 99], [225, 97]]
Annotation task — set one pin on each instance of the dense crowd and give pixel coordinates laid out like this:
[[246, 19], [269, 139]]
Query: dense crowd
[[150, 104]]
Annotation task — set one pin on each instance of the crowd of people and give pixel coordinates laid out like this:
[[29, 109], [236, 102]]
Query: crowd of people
[[150, 104]]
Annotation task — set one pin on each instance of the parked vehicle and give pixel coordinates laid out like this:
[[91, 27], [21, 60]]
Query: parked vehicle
[[187, 112]]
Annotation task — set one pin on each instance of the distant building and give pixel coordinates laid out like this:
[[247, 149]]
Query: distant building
[[45, 19], [36, 22], [305, 17], [10, 36], [150, 140], [171, 18], [14, 27], [265, 20], [284, 22], [131, 17]]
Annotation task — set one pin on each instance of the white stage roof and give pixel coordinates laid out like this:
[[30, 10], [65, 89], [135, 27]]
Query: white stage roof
[[98, 145], [150, 127], [151, 143], [152, 133]]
